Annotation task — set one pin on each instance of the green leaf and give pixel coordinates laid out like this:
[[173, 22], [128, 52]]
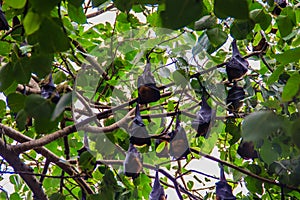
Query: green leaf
[[205, 22], [123, 5], [190, 185], [289, 56], [41, 110], [64, 101], [32, 22], [76, 3], [231, 8], [161, 147], [52, 37], [154, 20], [275, 75], [5, 48], [294, 132], [267, 152], [17, 4], [76, 14], [6, 77], [41, 64], [260, 125], [216, 36], [21, 120], [259, 16], [87, 161], [36, 106], [15, 196], [175, 15], [43, 6], [291, 88], [254, 185], [57, 196], [2, 108], [96, 3], [22, 71], [241, 28], [203, 44], [285, 25], [16, 101], [180, 78]]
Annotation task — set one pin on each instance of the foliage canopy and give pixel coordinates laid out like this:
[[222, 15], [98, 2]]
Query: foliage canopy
[[224, 75]]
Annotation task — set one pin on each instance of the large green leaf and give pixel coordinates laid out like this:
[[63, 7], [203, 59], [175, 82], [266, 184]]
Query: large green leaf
[[206, 22], [16, 3], [291, 88], [64, 101], [275, 75], [52, 37], [16, 101], [261, 17], [21, 120], [5, 48], [41, 110], [285, 25], [76, 14], [43, 6], [260, 125], [203, 44], [124, 5], [268, 153], [231, 8], [41, 64], [6, 76], [57, 196], [294, 132], [2, 108], [32, 22], [22, 71], [289, 56], [217, 37], [96, 3], [241, 28], [178, 13], [37, 107], [76, 3]]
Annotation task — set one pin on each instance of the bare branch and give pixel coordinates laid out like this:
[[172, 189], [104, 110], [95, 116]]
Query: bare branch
[[13, 159], [64, 165]]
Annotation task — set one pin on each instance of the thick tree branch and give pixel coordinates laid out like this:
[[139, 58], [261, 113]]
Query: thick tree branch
[[13, 160], [44, 140], [64, 165]]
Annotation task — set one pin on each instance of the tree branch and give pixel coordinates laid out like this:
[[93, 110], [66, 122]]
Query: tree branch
[[13, 160], [265, 180], [64, 165], [99, 12]]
